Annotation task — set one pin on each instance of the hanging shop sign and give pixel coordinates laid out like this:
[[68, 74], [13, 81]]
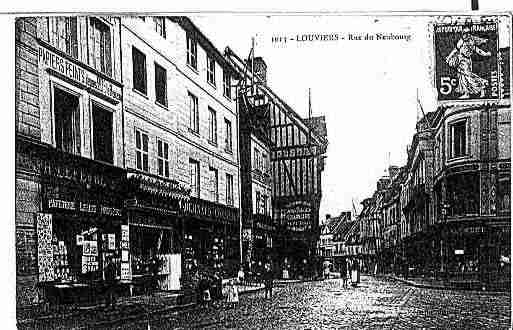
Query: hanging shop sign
[[466, 60], [297, 216], [79, 75]]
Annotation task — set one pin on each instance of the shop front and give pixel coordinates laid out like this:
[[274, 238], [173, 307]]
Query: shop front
[[80, 228], [155, 232], [477, 250], [211, 237], [263, 232]]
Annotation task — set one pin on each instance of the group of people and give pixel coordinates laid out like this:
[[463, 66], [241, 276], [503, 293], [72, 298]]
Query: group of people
[[348, 270], [211, 289]]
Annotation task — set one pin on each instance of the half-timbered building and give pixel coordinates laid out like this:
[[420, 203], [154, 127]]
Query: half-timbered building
[[297, 154]]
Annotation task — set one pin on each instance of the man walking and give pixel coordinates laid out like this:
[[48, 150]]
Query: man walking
[[343, 273], [110, 283], [268, 281]]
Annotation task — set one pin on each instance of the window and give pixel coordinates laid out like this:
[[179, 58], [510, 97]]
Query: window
[[264, 162], [67, 121], [257, 202], [193, 113], [160, 85], [227, 89], [228, 135], [256, 164], [264, 205], [212, 126], [64, 34], [211, 70], [141, 151], [229, 189], [102, 135], [139, 70], [195, 178], [163, 158], [459, 139], [214, 183], [100, 44], [160, 26], [192, 52]]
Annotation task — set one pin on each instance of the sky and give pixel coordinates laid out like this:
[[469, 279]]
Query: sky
[[367, 89]]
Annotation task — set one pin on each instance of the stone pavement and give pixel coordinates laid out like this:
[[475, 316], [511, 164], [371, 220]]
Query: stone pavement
[[432, 283], [376, 303], [127, 308]]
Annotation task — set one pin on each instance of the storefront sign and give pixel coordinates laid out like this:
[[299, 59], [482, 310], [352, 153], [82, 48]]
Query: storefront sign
[[89, 264], [125, 271], [297, 216], [83, 207], [90, 248], [459, 252], [112, 211], [474, 230], [89, 208], [44, 247], [466, 59], [78, 74], [61, 204], [111, 241]]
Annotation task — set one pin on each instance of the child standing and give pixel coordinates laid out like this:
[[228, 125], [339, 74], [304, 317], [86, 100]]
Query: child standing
[[233, 294]]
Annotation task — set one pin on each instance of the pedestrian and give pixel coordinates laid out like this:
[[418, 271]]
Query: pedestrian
[[240, 276], [268, 281], [155, 267], [233, 294], [110, 283], [326, 272], [343, 273], [354, 273], [217, 287], [204, 290]]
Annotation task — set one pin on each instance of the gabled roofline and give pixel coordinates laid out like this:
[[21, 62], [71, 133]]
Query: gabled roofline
[[238, 63]]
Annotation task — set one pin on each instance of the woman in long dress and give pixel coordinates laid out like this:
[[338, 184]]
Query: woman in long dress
[[461, 59]]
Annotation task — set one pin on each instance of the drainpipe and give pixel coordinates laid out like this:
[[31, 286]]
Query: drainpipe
[[239, 172]]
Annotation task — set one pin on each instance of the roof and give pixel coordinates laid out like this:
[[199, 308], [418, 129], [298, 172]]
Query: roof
[[317, 125], [240, 65], [187, 24]]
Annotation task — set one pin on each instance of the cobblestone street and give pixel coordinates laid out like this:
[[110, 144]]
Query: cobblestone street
[[374, 304]]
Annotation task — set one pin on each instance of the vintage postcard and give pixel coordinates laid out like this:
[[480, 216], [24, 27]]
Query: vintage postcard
[[263, 170]]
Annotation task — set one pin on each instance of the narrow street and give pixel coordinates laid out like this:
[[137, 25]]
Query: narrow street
[[374, 304]]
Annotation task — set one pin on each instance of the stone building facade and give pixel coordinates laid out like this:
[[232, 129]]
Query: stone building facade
[[178, 92], [68, 138]]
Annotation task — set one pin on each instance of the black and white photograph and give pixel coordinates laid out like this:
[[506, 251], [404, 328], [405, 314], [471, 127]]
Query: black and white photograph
[[253, 170]]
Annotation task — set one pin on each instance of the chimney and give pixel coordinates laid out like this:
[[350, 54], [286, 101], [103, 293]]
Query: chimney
[[261, 69], [328, 216], [382, 183]]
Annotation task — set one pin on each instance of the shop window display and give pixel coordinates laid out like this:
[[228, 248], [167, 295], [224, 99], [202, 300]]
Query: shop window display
[[81, 249]]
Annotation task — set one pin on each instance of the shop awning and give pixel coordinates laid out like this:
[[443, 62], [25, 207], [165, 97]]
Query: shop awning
[[157, 186]]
